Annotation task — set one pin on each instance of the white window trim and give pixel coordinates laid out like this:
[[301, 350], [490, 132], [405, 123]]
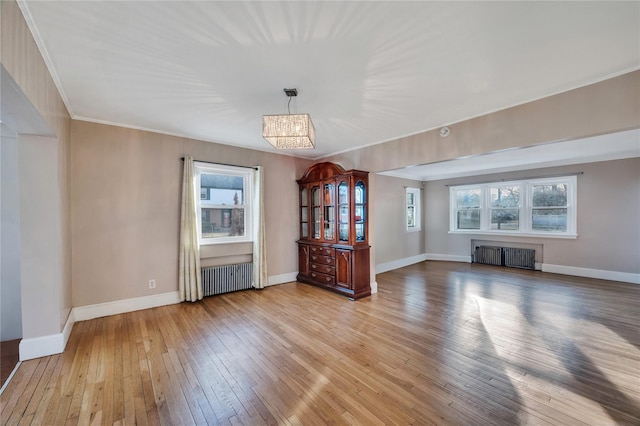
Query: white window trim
[[417, 209], [247, 176], [526, 207]]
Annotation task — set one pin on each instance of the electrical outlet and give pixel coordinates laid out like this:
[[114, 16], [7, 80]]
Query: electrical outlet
[[152, 283]]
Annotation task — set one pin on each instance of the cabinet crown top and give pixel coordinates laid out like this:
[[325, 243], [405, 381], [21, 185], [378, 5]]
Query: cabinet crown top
[[326, 170]]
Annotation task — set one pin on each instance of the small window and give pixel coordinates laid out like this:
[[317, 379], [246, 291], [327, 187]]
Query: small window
[[224, 206], [413, 218]]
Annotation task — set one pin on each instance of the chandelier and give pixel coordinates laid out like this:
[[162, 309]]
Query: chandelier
[[289, 131]]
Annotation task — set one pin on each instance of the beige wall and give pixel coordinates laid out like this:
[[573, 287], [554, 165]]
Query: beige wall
[[608, 211], [10, 290], [126, 188], [42, 244], [22, 60], [606, 107], [393, 242]]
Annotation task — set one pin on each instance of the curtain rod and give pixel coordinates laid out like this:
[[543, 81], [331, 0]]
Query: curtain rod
[[223, 164], [516, 178]]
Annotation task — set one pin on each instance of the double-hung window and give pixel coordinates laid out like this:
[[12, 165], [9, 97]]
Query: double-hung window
[[528, 207], [550, 207], [504, 205], [467, 208], [413, 217], [223, 203]]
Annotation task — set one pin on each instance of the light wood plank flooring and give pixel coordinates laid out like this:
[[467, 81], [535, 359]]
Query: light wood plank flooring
[[441, 343]]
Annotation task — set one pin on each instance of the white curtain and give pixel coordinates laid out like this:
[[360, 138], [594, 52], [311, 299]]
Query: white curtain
[[259, 244], [189, 268]]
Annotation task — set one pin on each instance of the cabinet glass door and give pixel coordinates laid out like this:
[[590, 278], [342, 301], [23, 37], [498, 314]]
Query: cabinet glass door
[[343, 212], [329, 212], [360, 212], [304, 214], [315, 213]]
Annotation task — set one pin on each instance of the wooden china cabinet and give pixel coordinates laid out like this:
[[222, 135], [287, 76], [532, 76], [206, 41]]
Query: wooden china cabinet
[[333, 249]]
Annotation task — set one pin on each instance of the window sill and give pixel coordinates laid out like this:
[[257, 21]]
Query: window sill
[[517, 234], [217, 243], [413, 229]]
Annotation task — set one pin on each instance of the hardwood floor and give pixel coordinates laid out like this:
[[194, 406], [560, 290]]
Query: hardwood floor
[[9, 357], [441, 343]]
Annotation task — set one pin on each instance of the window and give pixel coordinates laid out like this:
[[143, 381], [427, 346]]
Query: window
[[549, 207], [505, 207], [413, 209], [535, 207], [224, 204], [467, 203]]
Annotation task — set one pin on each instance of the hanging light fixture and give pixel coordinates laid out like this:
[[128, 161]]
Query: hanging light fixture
[[289, 131]]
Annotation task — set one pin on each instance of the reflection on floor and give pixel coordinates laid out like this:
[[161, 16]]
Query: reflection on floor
[[9, 357]]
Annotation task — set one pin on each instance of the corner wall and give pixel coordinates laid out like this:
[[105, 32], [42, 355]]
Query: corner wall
[[10, 299], [21, 59], [396, 247]]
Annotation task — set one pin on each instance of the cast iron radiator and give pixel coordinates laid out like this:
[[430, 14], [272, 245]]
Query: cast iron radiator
[[226, 278], [505, 256]]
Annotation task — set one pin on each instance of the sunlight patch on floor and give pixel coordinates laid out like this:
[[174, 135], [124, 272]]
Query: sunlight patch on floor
[[492, 315], [609, 365]]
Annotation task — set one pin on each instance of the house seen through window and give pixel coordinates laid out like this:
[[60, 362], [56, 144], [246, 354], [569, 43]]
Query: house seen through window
[[224, 203]]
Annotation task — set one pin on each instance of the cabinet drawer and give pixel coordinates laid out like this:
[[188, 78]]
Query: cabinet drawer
[[322, 260], [323, 278], [324, 269], [323, 251]]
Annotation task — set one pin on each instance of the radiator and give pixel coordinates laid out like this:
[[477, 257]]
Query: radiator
[[488, 255], [519, 257], [226, 278], [505, 256]]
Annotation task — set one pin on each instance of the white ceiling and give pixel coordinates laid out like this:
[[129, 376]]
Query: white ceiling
[[367, 72]]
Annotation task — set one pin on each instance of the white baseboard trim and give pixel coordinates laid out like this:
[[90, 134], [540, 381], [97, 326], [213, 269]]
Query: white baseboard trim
[[448, 257], [374, 287], [400, 263], [68, 326], [36, 347], [83, 313], [545, 267], [592, 273], [281, 279]]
